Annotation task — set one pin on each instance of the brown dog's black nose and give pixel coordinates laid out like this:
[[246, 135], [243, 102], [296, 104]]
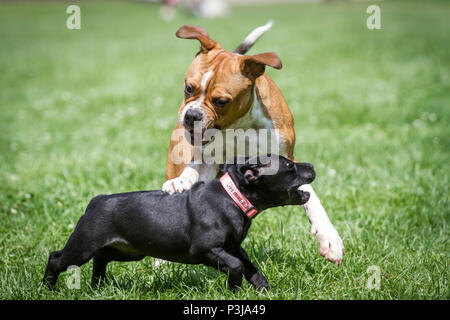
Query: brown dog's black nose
[[190, 117]]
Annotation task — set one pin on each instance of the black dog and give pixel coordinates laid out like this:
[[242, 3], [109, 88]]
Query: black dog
[[202, 225]]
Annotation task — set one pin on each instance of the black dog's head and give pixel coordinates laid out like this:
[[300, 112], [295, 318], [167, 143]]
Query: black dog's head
[[271, 180]]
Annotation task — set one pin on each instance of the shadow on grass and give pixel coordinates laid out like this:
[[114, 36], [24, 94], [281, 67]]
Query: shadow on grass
[[169, 279], [176, 279]]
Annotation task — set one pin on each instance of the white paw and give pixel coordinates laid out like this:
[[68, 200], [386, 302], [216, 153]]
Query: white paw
[[187, 178], [178, 184], [330, 243]]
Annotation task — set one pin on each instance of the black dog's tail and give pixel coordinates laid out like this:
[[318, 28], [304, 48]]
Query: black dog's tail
[[250, 40]]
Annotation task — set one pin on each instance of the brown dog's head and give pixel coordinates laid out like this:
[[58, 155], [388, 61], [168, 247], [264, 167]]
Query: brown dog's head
[[218, 84]]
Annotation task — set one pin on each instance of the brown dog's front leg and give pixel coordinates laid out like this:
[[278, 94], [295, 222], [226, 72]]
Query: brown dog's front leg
[[180, 153]]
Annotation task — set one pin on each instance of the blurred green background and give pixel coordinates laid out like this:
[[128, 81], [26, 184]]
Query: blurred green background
[[90, 111]]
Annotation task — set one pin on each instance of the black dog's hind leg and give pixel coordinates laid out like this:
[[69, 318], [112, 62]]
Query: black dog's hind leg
[[228, 264], [251, 273], [79, 249], [51, 274], [103, 257], [59, 261]]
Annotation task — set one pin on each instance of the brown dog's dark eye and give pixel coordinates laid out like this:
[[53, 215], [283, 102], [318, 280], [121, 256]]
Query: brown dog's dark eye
[[220, 103], [188, 90]]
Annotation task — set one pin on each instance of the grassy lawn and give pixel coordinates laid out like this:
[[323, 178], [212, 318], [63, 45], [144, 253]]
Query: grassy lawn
[[90, 111]]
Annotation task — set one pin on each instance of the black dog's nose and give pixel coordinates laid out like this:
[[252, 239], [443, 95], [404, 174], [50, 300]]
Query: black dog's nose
[[307, 172], [311, 175], [190, 117]]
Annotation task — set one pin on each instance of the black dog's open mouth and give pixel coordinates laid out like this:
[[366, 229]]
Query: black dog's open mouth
[[304, 196], [298, 196]]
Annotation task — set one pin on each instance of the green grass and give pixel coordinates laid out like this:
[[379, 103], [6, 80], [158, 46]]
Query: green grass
[[91, 111]]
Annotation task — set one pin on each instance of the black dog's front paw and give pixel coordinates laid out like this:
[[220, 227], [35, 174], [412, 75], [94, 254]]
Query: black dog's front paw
[[259, 282]]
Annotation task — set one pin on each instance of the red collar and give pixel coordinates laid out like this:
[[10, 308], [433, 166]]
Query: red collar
[[246, 206]]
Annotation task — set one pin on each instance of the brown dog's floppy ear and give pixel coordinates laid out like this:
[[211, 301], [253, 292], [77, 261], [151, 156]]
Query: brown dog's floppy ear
[[195, 32], [254, 66]]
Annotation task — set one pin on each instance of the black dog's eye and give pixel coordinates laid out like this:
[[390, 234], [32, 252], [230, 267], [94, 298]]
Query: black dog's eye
[[290, 166], [188, 90], [220, 103]]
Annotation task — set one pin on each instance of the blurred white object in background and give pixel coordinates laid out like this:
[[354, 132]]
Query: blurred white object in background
[[209, 8], [214, 8]]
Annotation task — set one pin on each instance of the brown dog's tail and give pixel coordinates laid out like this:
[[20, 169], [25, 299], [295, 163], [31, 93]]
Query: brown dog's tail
[[250, 40]]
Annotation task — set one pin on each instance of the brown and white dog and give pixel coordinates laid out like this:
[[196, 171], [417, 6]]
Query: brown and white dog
[[229, 90]]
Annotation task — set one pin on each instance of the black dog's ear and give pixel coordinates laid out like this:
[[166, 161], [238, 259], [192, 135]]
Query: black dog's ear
[[251, 173], [237, 160], [223, 167]]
